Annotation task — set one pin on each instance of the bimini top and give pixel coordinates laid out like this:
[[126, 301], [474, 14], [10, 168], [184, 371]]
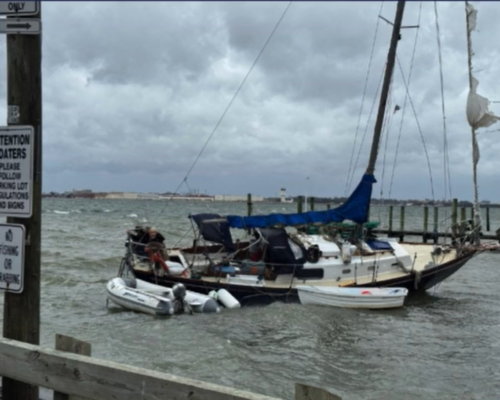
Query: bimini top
[[214, 228], [355, 209]]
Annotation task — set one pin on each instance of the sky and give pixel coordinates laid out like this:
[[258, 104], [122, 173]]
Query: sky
[[133, 90]]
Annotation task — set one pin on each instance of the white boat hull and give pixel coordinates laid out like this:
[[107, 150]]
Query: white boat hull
[[368, 298]]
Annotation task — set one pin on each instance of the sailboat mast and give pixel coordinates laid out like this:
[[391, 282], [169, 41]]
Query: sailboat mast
[[475, 158], [391, 59]]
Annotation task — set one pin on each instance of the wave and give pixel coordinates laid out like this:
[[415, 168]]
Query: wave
[[132, 215], [61, 212]]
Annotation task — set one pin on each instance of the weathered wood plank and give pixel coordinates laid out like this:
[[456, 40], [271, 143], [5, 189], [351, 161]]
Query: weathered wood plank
[[71, 345], [306, 392], [97, 379]]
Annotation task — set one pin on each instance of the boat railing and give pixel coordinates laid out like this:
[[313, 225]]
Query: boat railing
[[70, 371]]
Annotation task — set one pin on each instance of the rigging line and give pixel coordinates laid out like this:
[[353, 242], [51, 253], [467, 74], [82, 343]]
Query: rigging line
[[230, 102], [446, 159], [236, 93], [403, 111], [419, 131], [363, 99]]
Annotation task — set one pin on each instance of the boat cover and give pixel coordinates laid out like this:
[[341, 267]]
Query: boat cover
[[354, 209], [214, 228], [281, 252]]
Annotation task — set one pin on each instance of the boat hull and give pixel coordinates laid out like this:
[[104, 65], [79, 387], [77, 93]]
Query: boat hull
[[372, 298], [248, 295]]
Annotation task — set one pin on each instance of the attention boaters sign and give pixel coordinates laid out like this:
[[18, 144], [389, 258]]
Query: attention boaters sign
[[16, 171]]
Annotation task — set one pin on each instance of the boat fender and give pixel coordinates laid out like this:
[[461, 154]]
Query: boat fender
[[227, 299], [213, 294], [364, 292], [346, 253]]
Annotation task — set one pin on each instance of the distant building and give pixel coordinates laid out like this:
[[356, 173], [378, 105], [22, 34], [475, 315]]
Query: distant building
[[228, 197], [283, 198]]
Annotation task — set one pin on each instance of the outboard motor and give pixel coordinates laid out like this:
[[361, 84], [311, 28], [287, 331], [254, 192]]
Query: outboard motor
[[180, 305]]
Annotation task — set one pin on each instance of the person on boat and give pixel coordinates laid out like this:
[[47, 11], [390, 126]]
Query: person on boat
[[153, 236], [139, 237]]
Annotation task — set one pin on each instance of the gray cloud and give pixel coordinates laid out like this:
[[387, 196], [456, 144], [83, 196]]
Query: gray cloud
[[132, 90]]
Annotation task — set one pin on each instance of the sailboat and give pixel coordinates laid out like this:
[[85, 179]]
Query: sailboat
[[275, 261]]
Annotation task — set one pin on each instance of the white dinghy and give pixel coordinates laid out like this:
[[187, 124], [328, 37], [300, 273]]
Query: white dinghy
[[371, 298], [137, 295]]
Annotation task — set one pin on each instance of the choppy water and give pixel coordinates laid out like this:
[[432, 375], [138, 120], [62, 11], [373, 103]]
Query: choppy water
[[445, 345]]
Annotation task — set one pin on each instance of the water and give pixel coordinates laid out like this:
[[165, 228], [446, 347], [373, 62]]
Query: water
[[444, 345]]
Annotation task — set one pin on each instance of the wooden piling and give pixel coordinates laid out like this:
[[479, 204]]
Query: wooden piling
[[436, 219], [454, 212], [328, 206], [402, 222], [300, 204], [426, 221], [463, 217], [391, 208], [311, 204], [21, 320], [75, 346], [487, 219], [249, 204]]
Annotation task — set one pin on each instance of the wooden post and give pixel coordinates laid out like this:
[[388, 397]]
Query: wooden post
[[300, 204], [306, 392], [436, 219], [22, 310], [402, 222], [454, 212], [488, 219], [249, 204], [328, 206], [463, 217], [390, 218], [71, 345], [311, 202], [426, 221]]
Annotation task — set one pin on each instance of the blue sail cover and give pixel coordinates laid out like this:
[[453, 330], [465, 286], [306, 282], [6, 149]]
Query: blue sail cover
[[354, 209]]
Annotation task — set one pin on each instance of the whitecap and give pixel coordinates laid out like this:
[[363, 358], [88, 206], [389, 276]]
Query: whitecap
[[60, 212], [132, 215]]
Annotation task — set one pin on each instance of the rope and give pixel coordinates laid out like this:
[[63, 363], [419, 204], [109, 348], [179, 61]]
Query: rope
[[403, 111], [228, 106], [446, 160], [347, 184]]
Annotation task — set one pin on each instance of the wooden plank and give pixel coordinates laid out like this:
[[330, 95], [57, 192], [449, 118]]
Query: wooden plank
[[71, 345], [306, 392], [96, 379]]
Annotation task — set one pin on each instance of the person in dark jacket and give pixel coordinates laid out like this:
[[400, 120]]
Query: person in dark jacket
[[139, 237]]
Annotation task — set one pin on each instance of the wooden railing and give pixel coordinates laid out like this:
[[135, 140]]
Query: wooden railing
[[72, 374]]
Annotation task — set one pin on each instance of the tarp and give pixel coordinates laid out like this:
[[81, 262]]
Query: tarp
[[214, 228], [354, 209]]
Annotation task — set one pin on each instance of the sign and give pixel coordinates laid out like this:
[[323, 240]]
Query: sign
[[13, 114], [19, 7], [12, 257], [20, 26], [16, 171]]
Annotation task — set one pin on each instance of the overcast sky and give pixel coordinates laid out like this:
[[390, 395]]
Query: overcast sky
[[132, 90]]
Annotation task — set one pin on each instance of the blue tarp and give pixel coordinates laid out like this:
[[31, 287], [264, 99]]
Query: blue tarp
[[354, 209]]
